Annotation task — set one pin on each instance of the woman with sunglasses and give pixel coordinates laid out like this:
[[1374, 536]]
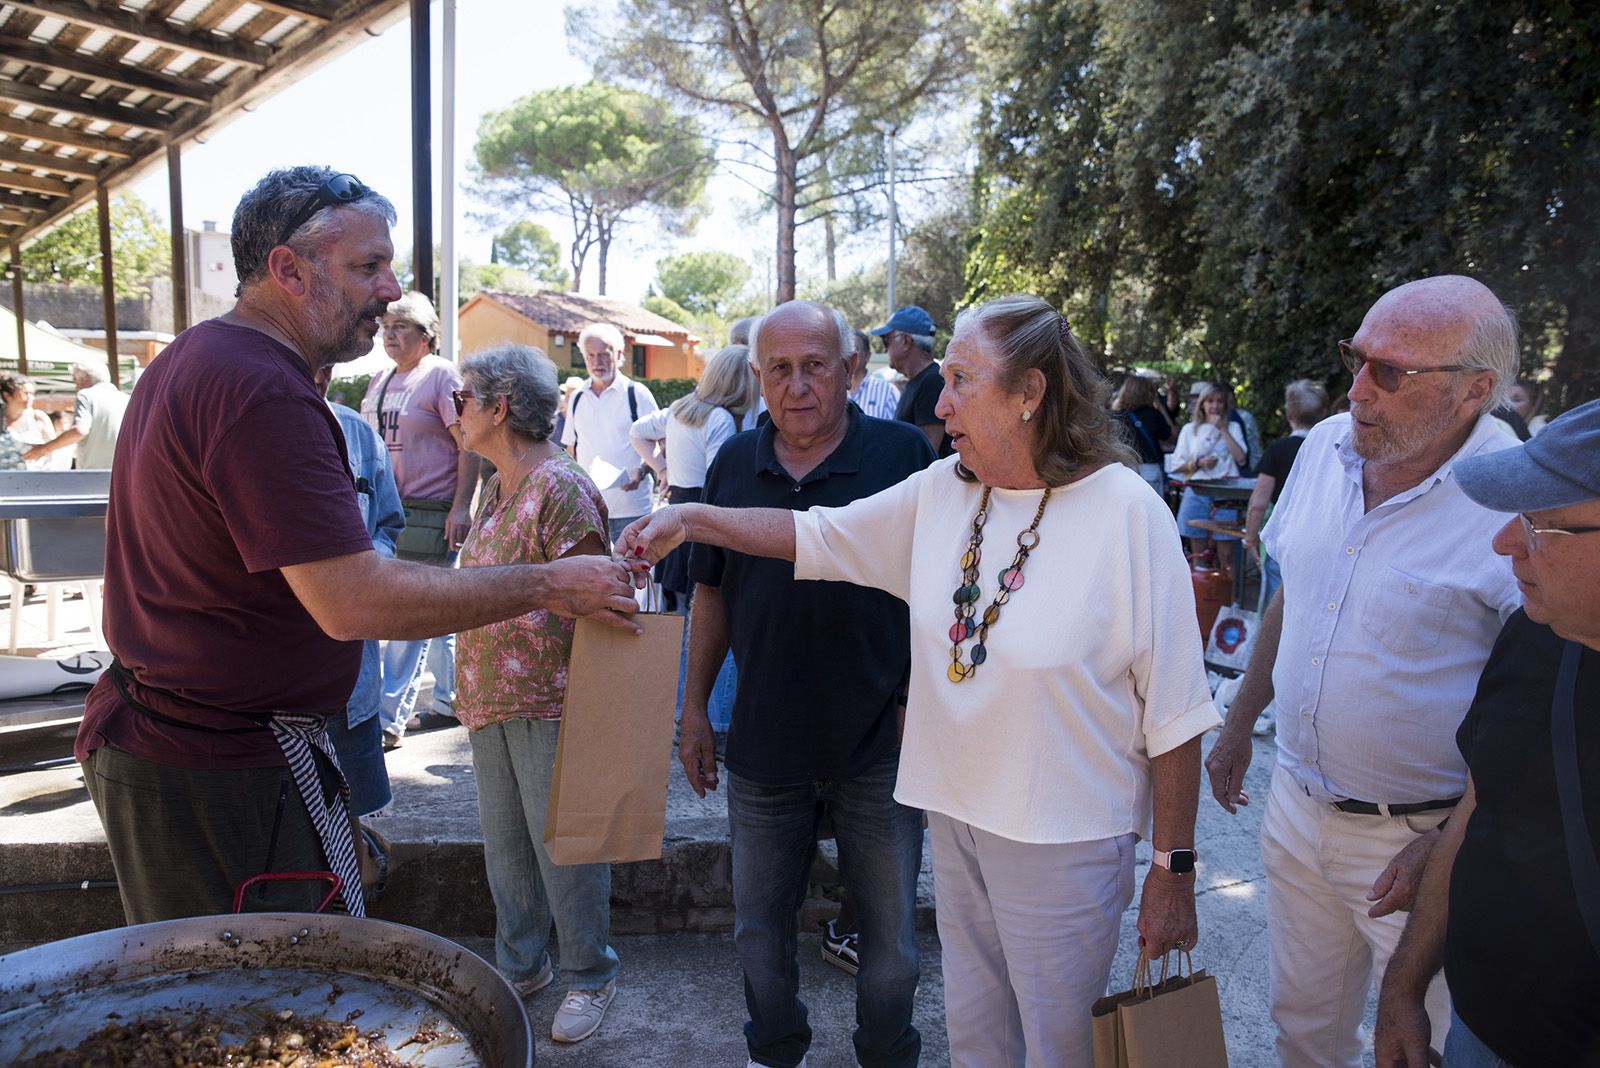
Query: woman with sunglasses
[[410, 408], [539, 506]]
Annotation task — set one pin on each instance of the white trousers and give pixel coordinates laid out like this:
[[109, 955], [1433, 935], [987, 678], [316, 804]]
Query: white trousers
[[1027, 933], [1324, 951]]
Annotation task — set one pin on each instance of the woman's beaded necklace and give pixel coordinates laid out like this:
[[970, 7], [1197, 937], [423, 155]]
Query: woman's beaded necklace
[[966, 595]]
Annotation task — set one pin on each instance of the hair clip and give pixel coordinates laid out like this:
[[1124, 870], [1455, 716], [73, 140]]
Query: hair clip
[[1063, 331]]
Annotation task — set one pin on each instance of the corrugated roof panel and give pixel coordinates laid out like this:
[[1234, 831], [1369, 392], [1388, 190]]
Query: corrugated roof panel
[[47, 29], [281, 30], [189, 10], [139, 52], [233, 22], [95, 41]]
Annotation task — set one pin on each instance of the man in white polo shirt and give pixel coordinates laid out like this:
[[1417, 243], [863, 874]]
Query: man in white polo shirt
[[599, 417], [1391, 601]]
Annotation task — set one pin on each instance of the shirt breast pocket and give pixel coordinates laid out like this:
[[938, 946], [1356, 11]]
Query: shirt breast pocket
[[1406, 613]]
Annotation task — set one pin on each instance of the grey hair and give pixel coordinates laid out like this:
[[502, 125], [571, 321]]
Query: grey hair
[[527, 379], [847, 337], [605, 332], [416, 309], [94, 372], [274, 202], [1304, 402], [921, 341], [1492, 346], [739, 333]]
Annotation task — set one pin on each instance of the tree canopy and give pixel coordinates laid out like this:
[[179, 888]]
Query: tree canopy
[[703, 283], [530, 248], [598, 153], [141, 249], [813, 79], [1239, 181]]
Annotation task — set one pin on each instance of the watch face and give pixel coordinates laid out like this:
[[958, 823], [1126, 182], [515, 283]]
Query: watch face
[[1180, 861]]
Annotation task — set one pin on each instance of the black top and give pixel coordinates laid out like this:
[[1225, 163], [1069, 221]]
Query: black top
[[918, 400], [1522, 972], [1147, 428], [1277, 461], [821, 664]]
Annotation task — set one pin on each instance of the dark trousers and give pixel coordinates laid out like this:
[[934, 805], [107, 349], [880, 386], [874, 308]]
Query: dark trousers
[[181, 839], [774, 832]]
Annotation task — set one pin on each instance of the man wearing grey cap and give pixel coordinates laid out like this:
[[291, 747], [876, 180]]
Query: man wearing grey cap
[[908, 339], [1510, 901]]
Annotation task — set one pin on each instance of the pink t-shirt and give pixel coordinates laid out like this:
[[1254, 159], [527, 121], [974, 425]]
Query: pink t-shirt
[[517, 668], [415, 423]]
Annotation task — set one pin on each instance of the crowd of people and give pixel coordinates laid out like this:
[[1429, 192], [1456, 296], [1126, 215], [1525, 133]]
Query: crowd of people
[[967, 619]]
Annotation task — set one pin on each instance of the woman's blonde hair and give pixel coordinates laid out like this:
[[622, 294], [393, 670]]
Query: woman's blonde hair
[[1074, 433], [727, 383], [1196, 408]]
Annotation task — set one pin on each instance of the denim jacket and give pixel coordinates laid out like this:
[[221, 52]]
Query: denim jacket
[[385, 519]]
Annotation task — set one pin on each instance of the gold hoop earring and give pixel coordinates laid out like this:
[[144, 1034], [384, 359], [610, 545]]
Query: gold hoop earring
[[1026, 415]]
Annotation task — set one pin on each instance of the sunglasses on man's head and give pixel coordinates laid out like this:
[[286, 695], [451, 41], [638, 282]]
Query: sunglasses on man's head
[[340, 189], [1386, 376]]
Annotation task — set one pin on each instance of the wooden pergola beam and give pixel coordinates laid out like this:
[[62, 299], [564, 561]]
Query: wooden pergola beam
[[124, 75], [51, 187], [13, 217], [88, 107], [321, 14], [66, 137], [27, 201], [138, 26], [74, 166]]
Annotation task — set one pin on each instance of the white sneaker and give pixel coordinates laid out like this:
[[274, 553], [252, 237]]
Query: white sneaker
[[526, 988], [758, 1064], [579, 1016]]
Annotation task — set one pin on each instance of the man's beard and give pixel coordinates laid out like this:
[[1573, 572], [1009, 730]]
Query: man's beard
[[335, 327], [1390, 442]]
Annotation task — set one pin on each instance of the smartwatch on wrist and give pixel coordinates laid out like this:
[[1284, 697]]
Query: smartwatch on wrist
[[1177, 861]]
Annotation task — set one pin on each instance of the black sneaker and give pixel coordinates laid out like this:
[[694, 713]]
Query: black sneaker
[[841, 950]]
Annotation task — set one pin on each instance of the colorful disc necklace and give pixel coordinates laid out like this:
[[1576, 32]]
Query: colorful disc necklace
[[966, 595]]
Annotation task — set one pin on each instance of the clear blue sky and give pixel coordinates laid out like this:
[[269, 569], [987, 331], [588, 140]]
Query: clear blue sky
[[355, 114]]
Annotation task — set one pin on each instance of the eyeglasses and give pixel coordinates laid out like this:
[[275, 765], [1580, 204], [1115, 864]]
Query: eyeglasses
[[1533, 533], [340, 189], [1385, 376], [459, 398], [399, 328]]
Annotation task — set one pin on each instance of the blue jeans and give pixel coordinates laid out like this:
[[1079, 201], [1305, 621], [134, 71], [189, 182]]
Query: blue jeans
[[513, 762], [774, 839], [1463, 1049], [402, 678]]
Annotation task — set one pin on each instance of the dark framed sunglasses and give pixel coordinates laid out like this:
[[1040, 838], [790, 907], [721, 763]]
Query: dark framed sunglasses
[[1386, 376], [340, 189], [459, 398]]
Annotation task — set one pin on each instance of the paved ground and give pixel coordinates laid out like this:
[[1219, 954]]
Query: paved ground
[[680, 999]]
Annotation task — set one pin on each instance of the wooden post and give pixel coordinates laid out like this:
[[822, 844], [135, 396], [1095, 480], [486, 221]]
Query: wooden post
[[180, 251], [16, 305], [108, 292], [421, 152]]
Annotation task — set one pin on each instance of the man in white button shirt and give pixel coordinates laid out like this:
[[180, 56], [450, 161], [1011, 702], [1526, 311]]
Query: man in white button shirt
[[1391, 601], [599, 417]]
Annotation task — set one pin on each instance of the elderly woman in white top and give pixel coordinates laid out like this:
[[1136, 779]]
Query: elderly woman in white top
[[693, 429], [1057, 692]]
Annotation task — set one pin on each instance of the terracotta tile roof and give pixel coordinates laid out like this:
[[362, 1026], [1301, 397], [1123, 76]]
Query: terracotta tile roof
[[571, 312]]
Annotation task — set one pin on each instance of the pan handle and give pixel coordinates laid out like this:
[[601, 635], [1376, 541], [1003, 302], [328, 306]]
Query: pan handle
[[335, 884]]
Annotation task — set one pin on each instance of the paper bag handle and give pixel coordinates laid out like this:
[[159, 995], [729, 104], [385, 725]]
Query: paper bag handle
[[1142, 968]]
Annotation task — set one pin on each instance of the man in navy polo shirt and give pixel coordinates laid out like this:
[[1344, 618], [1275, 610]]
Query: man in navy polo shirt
[[816, 715], [908, 339]]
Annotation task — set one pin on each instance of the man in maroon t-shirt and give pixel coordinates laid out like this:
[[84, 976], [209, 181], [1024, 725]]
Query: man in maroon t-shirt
[[240, 578]]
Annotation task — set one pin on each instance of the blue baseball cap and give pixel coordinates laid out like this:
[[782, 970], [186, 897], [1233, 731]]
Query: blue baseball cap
[[908, 320], [1559, 468]]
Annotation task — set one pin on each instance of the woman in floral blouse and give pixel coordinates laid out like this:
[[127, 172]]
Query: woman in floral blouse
[[511, 685]]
